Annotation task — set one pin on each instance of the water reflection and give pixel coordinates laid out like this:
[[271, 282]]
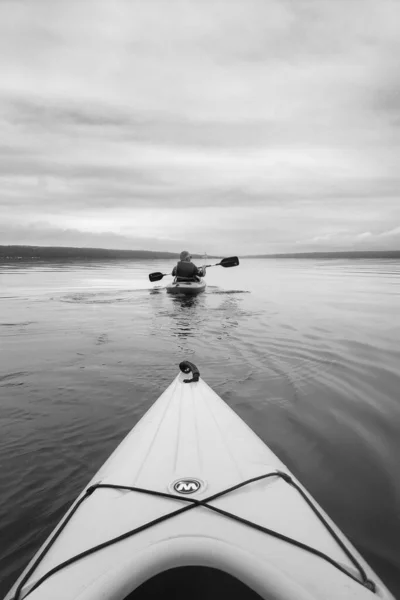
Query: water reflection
[[178, 316], [187, 317], [185, 301]]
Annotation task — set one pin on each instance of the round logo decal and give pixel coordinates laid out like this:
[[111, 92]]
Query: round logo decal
[[187, 486]]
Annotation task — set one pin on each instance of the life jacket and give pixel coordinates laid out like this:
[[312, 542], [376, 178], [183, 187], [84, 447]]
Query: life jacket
[[186, 270]]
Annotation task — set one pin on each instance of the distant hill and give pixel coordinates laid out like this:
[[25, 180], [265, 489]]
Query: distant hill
[[61, 253], [333, 255], [64, 253]]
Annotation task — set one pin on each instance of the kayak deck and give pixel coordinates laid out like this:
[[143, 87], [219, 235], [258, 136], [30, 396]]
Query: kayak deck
[[176, 493]]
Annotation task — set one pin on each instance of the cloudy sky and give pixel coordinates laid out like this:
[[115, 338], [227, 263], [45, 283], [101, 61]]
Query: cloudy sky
[[233, 126]]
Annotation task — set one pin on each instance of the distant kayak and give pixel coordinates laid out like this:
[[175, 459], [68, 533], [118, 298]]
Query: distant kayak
[[192, 504], [192, 288], [188, 288]]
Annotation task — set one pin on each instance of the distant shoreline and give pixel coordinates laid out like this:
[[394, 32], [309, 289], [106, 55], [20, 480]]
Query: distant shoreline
[[62, 253], [16, 252], [354, 254]]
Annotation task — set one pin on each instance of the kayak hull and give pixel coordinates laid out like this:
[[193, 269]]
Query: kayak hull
[[190, 444], [186, 288]]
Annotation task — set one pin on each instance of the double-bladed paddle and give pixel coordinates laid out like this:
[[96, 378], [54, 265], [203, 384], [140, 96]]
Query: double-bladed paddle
[[232, 261]]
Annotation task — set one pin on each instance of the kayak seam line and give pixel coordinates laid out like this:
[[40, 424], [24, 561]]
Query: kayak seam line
[[178, 428], [193, 503], [222, 437], [149, 448], [197, 430]]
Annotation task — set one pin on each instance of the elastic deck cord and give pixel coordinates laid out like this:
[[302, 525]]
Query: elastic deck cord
[[191, 504]]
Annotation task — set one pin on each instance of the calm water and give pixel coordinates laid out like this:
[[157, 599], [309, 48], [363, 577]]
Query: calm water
[[307, 352]]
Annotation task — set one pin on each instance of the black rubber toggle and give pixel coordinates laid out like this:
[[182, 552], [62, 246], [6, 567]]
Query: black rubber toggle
[[188, 367]]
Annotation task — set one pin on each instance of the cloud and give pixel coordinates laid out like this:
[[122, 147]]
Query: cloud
[[48, 235], [391, 232], [276, 119]]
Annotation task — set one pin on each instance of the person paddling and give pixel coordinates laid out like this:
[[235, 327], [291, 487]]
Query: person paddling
[[185, 269], [186, 264]]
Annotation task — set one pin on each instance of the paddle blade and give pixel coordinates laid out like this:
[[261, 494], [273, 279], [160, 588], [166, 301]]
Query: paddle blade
[[156, 276], [233, 261]]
